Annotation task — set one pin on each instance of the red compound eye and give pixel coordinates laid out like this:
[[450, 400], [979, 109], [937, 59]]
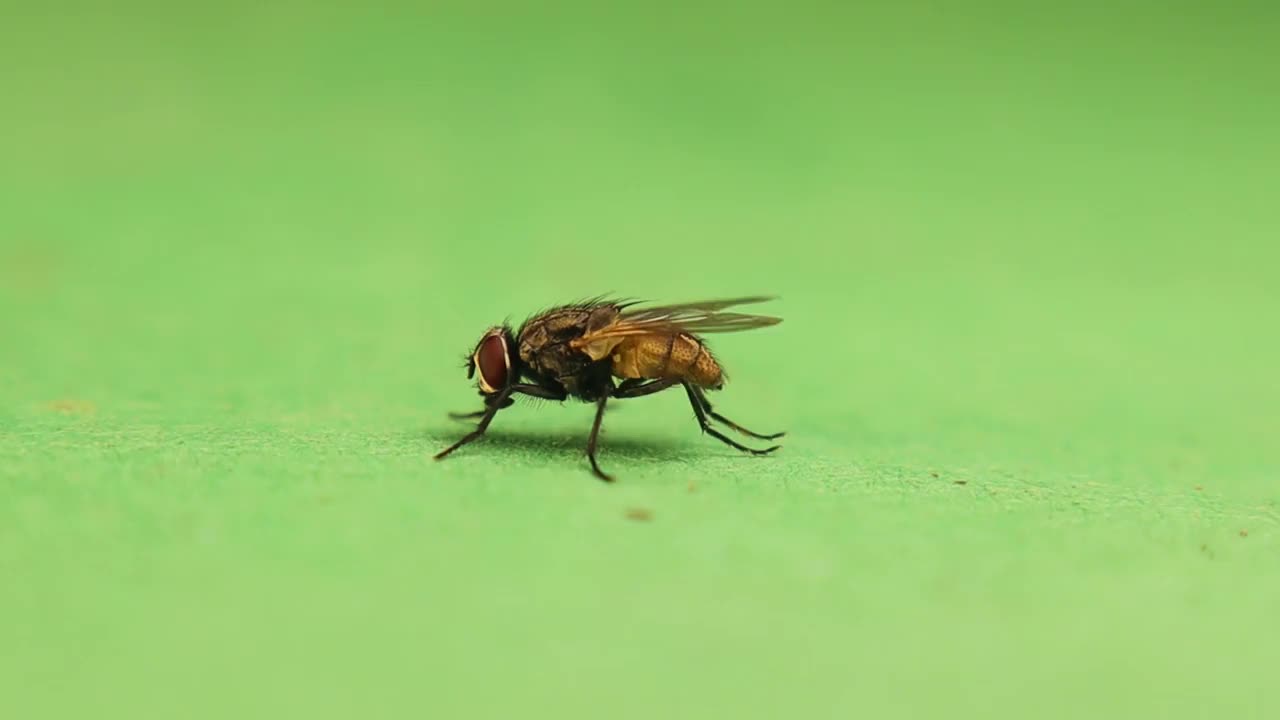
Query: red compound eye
[[491, 359]]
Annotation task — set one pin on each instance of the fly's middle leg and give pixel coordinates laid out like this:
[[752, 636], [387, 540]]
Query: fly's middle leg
[[595, 435]]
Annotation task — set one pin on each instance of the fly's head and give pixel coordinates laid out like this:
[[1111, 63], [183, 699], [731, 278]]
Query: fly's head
[[493, 363]]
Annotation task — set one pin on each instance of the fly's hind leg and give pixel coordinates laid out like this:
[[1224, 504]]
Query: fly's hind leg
[[701, 412], [639, 387], [630, 384], [706, 405]]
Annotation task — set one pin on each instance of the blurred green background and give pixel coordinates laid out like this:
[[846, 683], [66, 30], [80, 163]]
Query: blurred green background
[[1027, 259]]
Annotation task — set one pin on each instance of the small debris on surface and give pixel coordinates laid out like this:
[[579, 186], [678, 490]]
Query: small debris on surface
[[693, 487], [960, 482], [639, 514], [73, 407], [1199, 488], [1244, 533], [934, 474], [1205, 549]]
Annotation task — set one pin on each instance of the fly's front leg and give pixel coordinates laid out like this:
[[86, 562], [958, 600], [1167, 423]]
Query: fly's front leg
[[540, 391], [480, 413], [499, 401]]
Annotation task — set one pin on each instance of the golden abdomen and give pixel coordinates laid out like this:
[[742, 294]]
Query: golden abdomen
[[666, 356]]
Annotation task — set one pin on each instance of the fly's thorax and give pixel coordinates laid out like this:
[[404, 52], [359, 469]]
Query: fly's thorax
[[547, 342], [561, 326]]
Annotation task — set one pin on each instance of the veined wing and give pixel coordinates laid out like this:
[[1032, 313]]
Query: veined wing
[[694, 318]]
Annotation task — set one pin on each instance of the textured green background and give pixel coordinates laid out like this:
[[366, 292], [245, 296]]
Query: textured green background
[[1028, 264]]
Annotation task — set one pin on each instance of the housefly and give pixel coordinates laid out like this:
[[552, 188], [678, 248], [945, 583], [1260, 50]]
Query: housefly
[[601, 350]]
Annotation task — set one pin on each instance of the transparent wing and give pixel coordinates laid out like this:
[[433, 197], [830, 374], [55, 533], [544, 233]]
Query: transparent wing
[[694, 317], [693, 310]]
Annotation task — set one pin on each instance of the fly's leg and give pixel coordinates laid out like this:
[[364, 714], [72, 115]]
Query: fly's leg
[[539, 391], [640, 388], [631, 382], [498, 402], [706, 405], [595, 434], [701, 409], [480, 428], [701, 414], [491, 400]]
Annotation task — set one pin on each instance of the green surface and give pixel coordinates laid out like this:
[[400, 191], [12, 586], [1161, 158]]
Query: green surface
[[1028, 266]]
